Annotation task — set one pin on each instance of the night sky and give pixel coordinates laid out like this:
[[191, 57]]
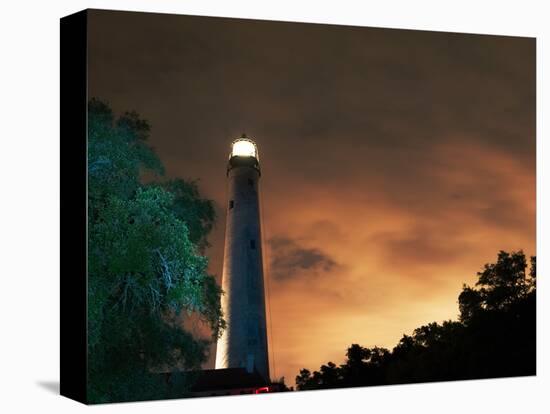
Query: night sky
[[395, 163]]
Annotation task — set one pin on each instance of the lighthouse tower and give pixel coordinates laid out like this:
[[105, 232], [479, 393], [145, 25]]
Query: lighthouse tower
[[243, 343]]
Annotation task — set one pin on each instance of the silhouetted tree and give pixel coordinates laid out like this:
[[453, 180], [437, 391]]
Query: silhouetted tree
[[500, 285], [303, 380], [494, 337]]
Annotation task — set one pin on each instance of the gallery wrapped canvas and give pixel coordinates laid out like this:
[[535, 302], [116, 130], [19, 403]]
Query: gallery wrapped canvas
[[256, 207]]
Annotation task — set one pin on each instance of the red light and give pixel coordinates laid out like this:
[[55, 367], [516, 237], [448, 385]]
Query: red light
[[261, 390]]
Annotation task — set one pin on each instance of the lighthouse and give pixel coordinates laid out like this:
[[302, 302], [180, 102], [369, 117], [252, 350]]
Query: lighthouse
[[243, 343]]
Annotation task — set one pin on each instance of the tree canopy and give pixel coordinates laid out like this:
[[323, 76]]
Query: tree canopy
[[145, 265], [495, 336]]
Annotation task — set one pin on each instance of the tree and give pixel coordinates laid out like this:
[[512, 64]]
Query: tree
[[494, 337], [197, 214], [303, 380], [144, 265], [328, 376], [499, 285]]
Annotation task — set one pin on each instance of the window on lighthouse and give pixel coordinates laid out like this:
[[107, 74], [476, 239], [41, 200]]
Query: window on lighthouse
[[253, 244]]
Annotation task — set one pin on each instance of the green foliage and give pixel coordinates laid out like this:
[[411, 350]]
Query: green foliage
[[495, 337], [144, 265], [196, 213]]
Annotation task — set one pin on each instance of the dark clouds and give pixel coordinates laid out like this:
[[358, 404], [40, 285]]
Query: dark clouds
[[289, 260], [418, 245], [395, 163]]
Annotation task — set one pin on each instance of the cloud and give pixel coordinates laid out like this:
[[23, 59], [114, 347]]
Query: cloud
[[418, 245], [290, 260]]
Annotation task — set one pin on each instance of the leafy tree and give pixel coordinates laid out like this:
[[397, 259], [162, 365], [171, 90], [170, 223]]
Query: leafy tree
[[494, 337], [329, 376], [198, 214], [144, 265], [499, 285]]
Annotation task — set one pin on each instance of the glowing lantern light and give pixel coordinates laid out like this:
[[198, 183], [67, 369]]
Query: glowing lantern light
[[244, 148]]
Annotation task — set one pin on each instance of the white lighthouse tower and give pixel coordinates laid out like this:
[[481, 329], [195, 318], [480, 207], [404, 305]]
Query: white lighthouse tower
[[243, 344]]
